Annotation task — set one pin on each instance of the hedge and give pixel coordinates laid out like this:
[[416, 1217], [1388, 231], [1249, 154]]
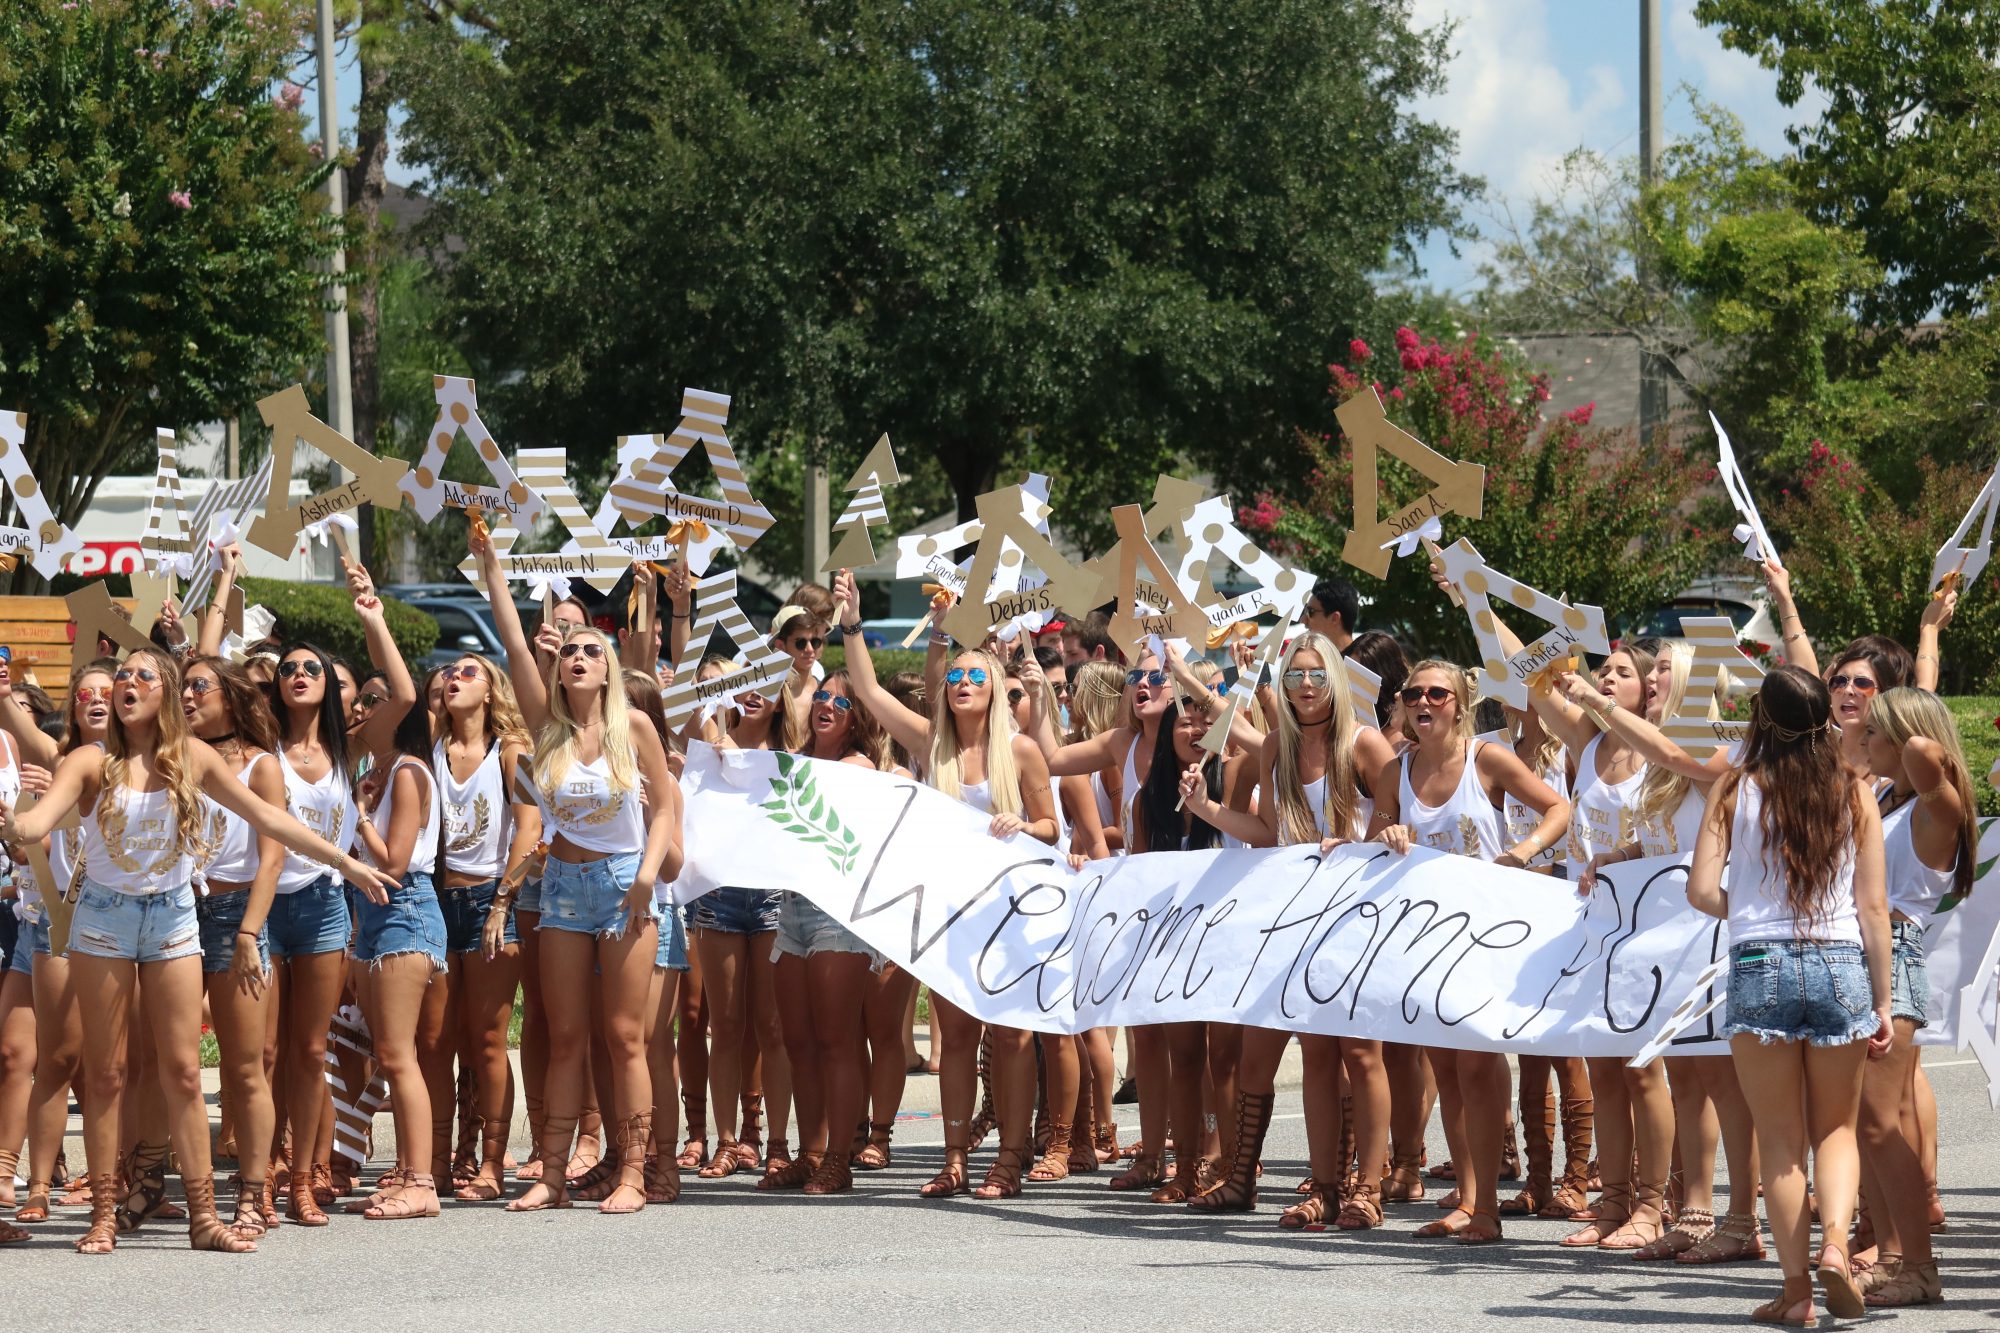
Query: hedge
[[888, 661], [320, 613]]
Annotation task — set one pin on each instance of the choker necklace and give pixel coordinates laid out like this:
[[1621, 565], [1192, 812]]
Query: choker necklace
[[218, 740]]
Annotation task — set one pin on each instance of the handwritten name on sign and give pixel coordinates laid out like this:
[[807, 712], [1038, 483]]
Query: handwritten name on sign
[[1460, 488], [1432, 949], [376, 480]]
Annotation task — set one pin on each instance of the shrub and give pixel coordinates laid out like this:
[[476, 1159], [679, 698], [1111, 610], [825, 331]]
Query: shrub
[[323, 613]]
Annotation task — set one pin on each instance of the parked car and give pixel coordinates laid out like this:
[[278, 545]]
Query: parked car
[[464, 620], [1744, 601]]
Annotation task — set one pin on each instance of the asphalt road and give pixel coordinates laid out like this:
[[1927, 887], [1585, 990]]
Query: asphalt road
[[1065, 1256]]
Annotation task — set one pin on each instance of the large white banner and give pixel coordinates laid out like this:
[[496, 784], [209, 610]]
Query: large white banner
[[1430, 949]]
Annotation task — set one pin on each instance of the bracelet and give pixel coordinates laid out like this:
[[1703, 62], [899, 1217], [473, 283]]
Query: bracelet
[[246, 934], [1928, 657], [676, 615], [855, 628]]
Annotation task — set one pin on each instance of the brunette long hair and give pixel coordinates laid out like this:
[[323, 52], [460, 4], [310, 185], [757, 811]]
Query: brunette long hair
[[1159, 794], [1811, 802], [243, 700]]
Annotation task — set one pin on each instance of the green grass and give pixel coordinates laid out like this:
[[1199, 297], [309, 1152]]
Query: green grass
[[1975, 714]]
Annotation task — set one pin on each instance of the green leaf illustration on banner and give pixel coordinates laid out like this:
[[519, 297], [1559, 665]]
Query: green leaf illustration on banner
[[797, 807]]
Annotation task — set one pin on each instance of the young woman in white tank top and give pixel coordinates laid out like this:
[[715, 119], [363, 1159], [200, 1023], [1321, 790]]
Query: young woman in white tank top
[[1634, 1111], [225, 710], [488, 833], [609, 842], [1448, 790], [1310, 771], [1930, 836], [141, 805], [968, 742], [1810, 960], [58, 1023], [1667, 810]]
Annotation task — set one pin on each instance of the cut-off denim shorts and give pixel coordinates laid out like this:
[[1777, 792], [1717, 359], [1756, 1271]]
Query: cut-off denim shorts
[[804, 930], [220, 916], [32, 939], [1909, 974], [310, 920], [143, 927], [466, 908], [737, 911], [1800, 990], [529, 899], [410, 922], [673, 951], [588, 897]]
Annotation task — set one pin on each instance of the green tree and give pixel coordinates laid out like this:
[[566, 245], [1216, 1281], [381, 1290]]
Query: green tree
[[1095, 239], [159, 232]]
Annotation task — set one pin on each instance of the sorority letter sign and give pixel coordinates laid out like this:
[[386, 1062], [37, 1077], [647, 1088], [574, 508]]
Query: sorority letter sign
[[1460, 487], [291, 420], [1571, 627], [458, 411], [44, 541]]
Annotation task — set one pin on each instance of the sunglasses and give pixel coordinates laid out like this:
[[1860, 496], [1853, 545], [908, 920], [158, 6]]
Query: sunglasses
[[200, 685], [1155, 677], [802, 643], [468, 671], [1866, 684], [286, 670], [6, 653], [94, 694], [841, 703], [1219, 688], [369, 699], [1061, 689], [959, 675], [589, 648], [1416, 694], [144, 675], [1314, 676], [1015, 697]]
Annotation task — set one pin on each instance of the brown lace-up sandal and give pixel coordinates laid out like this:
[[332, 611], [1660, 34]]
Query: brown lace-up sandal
[[1237, 1192], [1453, 1223], [1691, 1227], [663, 1179], [597, 1183], [628, 1194], [1106, 1142], [10, 1162], [1918, 1285], [790, 1173], [1483, 1228], [270, 1208], [694, 1111], [750, 1141], [106, 1193], [1646, 1215], [1614, 1207], [1880, 1273], [35, 1208], [1405, 1181], [950, 1179], [1311, 1211], [1054, 1162], [530, 1169], [489, 1178], [1003, 1179], [385, 1184], [551, 1191], [1538, 1128], [1361, 1210], [832, 1176], [589, 1149], [416, 1196], [13, 1235], [726, 1162], [875, 1154], [1797, 1291], [301, 1207], [778, 1156], [146, 1168], [250, 1220], [1188, 1181], [205, 1229], [1146, 1172]]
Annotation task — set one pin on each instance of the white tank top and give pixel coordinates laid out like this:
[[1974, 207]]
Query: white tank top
[[1129, 793], [1757, 908], [478, 821], [10, 776], [1467, 824], [64, 845], [1914, 888], [1523, 820], [978, 795], [131, 844], [1603, 817], [590, 815], [327, 808], [1675, 836], [423, 856], [236, 860], [1107, 813]]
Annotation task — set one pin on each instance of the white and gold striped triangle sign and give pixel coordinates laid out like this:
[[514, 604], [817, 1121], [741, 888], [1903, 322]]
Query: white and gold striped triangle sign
[[644, 487], [715, 608], [588, 555]]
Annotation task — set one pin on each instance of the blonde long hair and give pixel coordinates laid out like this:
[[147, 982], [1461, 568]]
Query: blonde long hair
[[170, 760], [504, 722], [1096, 696], [1461, 688], [1662, 790], [555, 746], [1295, 816], [1905, 711], [1003, 784]]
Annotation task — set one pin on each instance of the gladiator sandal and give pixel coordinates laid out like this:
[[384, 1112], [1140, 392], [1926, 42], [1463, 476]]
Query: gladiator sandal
[[493, 1155], [1737, 1236], [1107, 1142], [416, 1196], [1910, 1286], [750, 1142], [590, 1129], [875, 1154], [1188, 1181], [694, 1110], [146, 1168], [530, 1170], [251, 1220], [1003, 1181], [789, 1173], [1083, 1160], [1614, 1208], [1238, 1191], [832, 1176], [1538, 1127], [1347, 1146], [1405, 1181], [1630, 1234], [1510, 1155], [1880, 1273], [36, 1207], [986, 1119], [663, 1179], [1797, 1291], [1145, 1173], [269, 1206], [1573, 1195], [1054, 1163], [596, 1184], [471, 1128], [106, 1193], [1362, 1209], [633, 1134], [951, 1179], [10, 1161], [1310, 1211], [205, 1229], [551, 1191], [1691, 1227]]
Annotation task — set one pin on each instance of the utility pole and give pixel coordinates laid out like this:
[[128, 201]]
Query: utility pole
[[1652, 376], [819, 495], [339, 388]]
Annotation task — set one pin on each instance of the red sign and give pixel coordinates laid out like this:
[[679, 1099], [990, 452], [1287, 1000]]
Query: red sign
[[107, 558]]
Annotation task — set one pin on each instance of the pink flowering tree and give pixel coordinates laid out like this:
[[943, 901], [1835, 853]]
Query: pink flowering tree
[[1569, 507]]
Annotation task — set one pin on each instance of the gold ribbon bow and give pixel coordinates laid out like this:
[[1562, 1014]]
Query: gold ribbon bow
[[1948, 585], [941, 596], [1242, 629], [683, 530], [1545, 680]]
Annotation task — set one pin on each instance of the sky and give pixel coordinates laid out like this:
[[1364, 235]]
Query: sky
[[1530, 80]]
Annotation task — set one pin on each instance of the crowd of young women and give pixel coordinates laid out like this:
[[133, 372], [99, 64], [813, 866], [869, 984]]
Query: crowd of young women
[[359, 873]]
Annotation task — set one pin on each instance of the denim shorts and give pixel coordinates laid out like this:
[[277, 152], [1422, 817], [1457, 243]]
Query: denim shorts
[[142, 927], [410, 922], [311, 920], [220, 916], [804, 930], [529, 899], [1799, 990], [588, 897], [737, 911], [1909, 975], [10, 935], [673, 951], [465, 911], [32, 939]]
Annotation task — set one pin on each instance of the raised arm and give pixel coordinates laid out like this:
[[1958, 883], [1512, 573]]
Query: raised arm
[[1651, 743], [215, 624], [1566, 721], [1937, 614], [378, 733], [910, 729], [522, 667], [680, 601], [637, 646], [1798, 648]]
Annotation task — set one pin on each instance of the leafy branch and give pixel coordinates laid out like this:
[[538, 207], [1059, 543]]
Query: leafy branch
[[799, 809]]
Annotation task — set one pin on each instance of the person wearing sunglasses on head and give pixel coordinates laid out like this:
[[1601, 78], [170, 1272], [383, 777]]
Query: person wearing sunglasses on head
[[801, 635], [58, 1034], [135, 918], [823, 976], [972, 753], [1446, 793], [1311, 790], [613, 809]]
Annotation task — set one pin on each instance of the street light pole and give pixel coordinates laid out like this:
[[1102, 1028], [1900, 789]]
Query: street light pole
[[339, 388], [1652, 377]]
